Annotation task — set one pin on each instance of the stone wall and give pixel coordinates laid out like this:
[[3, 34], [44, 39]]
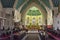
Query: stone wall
[[9, 17], [6, 18]]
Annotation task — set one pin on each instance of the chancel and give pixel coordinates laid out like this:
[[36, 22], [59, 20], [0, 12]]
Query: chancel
[[29, 19]]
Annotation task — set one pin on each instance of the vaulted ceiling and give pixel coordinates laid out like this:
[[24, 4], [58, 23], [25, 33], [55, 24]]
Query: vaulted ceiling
[[55, 2], [10, 3], [7, 3], [29, 2]]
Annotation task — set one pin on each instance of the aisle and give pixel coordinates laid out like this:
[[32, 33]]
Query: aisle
[[32, 37]]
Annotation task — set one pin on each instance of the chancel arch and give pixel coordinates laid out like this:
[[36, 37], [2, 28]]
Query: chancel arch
[[34, 18], [23, 14]]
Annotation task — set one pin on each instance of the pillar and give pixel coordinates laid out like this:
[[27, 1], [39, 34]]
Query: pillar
[[17, 18], [55, 18], [49, 18], [1, 15]]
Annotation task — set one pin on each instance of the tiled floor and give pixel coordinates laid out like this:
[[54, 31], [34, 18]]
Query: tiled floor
[[35, 35], [32, 36]]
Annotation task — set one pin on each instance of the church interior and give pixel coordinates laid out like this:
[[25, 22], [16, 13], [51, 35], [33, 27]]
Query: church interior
[[29, 19]]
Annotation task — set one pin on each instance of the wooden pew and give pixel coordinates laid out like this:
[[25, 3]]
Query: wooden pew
[[4, 36], [54, 32], [19, 35], [56, 38]]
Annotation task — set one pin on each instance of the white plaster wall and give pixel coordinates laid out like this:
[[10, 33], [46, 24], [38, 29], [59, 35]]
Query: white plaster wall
[[56, 19], [56, 25]]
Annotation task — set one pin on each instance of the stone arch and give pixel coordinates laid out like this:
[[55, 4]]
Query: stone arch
[[36, 5]]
